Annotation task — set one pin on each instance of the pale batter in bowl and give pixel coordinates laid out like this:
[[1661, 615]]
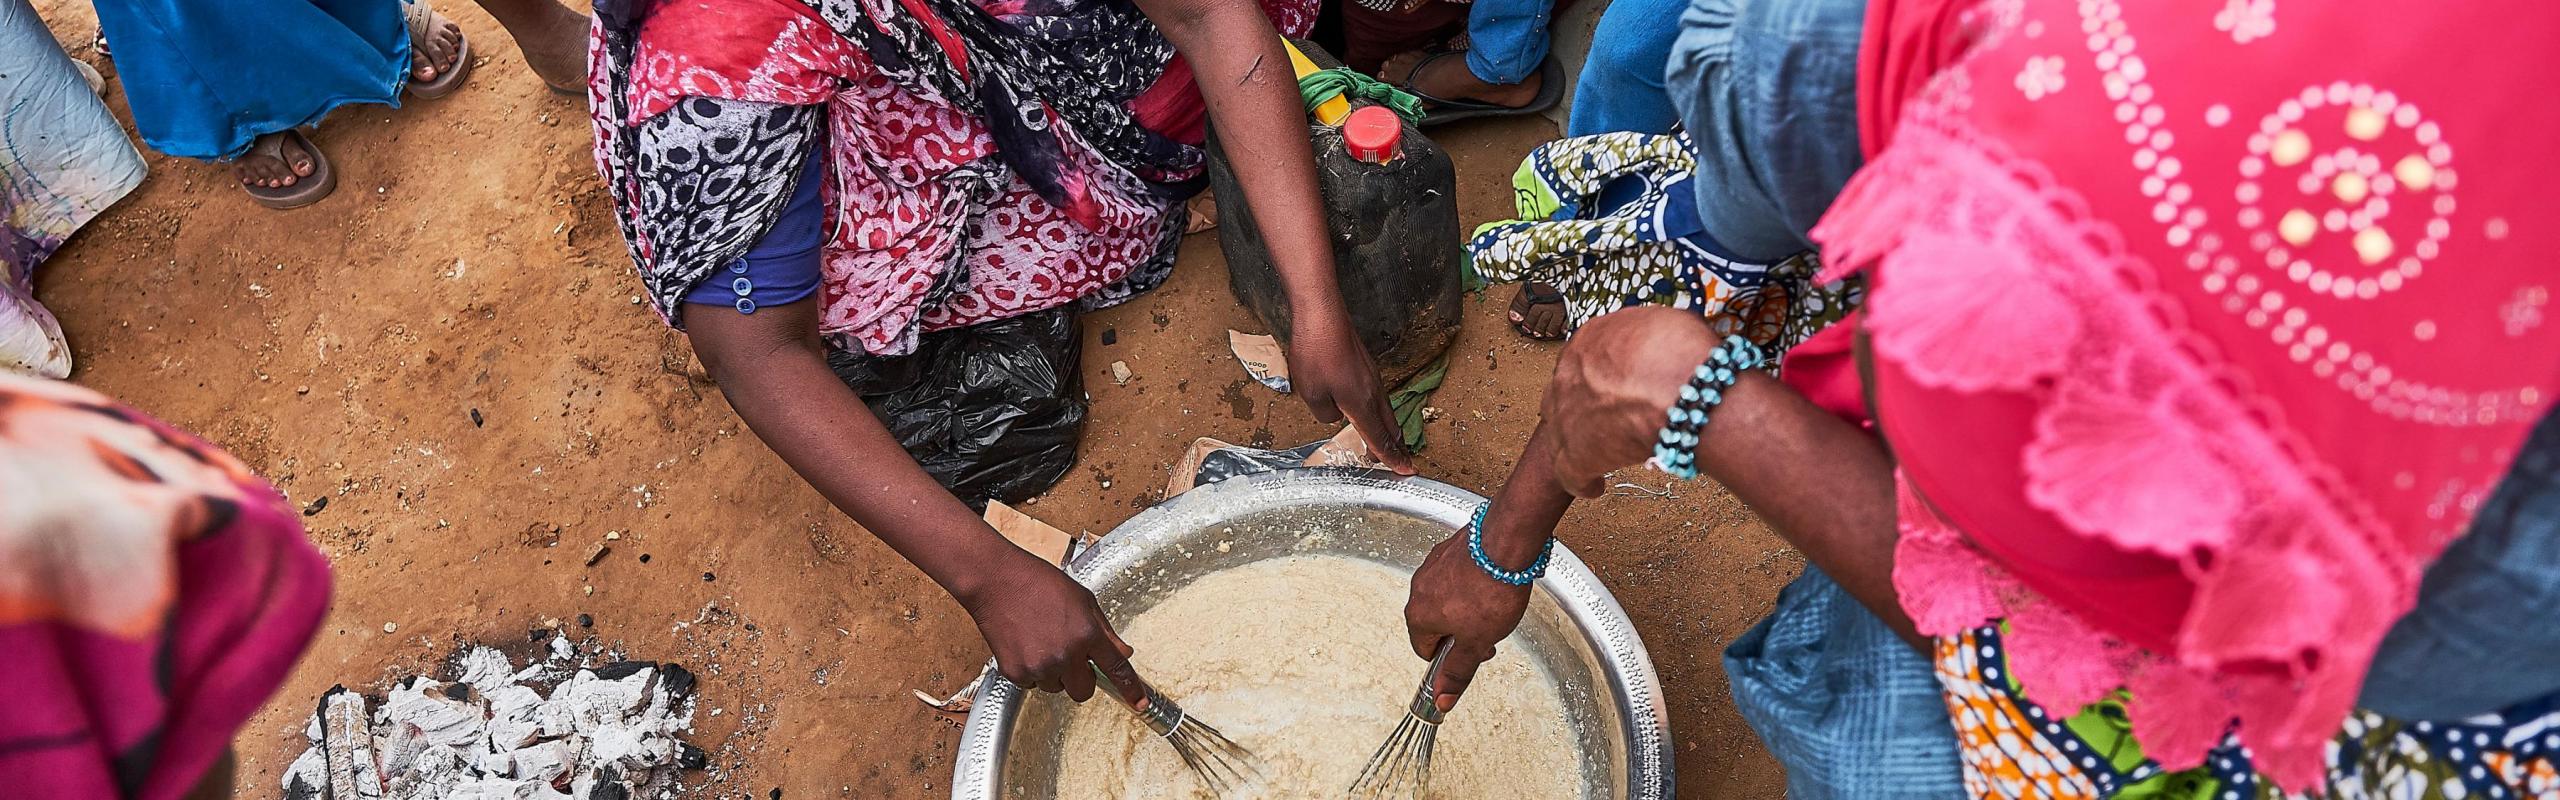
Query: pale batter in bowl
[[1304, 660]]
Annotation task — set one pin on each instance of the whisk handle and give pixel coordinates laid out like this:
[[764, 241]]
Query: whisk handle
[[1161, 715], [1426, 703]]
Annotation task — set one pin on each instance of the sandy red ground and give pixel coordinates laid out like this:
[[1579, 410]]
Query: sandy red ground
[[466, 263]]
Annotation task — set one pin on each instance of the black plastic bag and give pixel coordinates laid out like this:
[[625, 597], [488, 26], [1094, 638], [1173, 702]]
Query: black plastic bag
[[992, 411]]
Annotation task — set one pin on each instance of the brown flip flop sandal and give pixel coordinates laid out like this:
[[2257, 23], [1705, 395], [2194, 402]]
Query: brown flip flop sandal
[[450, 80], [306, 189]]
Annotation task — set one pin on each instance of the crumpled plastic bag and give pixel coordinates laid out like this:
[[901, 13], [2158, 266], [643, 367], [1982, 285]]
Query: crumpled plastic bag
[[1210, 460], [992, 411]]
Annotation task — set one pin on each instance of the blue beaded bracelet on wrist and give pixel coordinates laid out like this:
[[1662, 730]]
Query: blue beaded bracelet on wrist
[[1475, 548], [1675, 447]]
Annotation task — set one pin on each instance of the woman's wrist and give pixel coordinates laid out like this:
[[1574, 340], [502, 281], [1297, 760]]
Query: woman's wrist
[[984, 577], [1513, 543]]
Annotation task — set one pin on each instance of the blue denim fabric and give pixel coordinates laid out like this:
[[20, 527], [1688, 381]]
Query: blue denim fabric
[[1849, 708], [785, 265], [1769, 90], [2486, 632], [1621, 86], [1507, 39]]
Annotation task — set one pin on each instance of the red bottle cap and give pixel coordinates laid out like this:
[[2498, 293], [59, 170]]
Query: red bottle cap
[[1373, 134]]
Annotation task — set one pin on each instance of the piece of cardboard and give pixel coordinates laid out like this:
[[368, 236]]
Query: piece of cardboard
[[1204, 214], [1262, 358], [1036, 537], [1345, 449]]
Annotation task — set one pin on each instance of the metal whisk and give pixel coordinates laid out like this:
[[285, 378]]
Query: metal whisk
[[1221, 764], [1402, 765]]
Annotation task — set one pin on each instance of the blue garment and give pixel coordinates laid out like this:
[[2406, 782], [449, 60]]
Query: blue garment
[[2484, 635], [1507, 39], [206, 77], [1850, 709], [1769, 92], [784, 266], [1621, 88]]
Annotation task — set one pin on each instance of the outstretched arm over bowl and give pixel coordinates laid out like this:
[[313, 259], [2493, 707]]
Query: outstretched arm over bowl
[[1042, 627], [1819, 482]]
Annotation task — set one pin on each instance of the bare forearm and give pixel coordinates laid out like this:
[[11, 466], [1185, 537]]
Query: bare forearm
[[1529, 505], [1252, 96], [1822, 484], [781, 386]]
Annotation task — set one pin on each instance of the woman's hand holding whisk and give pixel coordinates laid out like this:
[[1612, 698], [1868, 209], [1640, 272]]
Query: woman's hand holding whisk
[[1453, 598], [1044, 629]]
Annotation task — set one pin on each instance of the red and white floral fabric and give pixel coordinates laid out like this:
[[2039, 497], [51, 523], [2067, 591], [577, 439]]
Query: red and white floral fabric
[[1009, 163]]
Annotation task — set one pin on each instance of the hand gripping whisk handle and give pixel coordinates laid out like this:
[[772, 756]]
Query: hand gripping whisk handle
[[1162, 716]]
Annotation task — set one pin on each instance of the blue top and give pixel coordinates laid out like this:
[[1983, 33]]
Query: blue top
[[785, 265]]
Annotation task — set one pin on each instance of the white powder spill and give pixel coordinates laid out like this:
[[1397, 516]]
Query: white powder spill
[[549, 731]]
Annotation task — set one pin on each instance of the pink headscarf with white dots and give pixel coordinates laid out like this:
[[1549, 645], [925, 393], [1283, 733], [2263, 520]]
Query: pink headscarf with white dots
[[2202, 327]]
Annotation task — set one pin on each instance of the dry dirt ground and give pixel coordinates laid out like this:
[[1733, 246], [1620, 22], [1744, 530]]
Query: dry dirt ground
[[449, 352]]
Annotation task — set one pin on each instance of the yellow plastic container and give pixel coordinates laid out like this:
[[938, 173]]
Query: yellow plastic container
[[1330, 112]]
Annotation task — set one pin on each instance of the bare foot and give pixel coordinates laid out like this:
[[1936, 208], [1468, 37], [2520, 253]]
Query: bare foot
[[434, 54], [1449, 78], [274, 161]]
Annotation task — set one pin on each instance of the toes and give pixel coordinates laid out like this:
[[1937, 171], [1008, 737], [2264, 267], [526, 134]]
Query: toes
[[1400, 67], [1547, 322]]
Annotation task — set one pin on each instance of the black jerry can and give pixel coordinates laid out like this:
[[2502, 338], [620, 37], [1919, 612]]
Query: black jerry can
[[1395, 235]]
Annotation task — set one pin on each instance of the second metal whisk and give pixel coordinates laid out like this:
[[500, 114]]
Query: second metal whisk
[[1402, 765], [1222, 765]]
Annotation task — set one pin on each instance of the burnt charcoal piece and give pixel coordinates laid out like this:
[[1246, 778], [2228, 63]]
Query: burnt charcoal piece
[[677, 680]]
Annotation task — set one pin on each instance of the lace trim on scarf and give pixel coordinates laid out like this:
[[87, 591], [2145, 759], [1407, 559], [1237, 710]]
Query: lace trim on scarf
[[2001, 279]]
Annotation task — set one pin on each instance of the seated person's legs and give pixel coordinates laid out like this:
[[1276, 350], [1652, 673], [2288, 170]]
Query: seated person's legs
[[1769, 92], [1621, 87], [1371, 36], [1506, 49]]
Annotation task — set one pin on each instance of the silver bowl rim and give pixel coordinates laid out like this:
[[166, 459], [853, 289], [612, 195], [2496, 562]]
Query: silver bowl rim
[[978, 765]]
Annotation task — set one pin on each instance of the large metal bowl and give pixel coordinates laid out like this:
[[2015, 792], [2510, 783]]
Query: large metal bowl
[[1574, 630]]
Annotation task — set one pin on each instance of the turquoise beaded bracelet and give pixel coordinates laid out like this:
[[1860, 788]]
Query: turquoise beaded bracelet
[[1475, 548], [1675, 447]]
